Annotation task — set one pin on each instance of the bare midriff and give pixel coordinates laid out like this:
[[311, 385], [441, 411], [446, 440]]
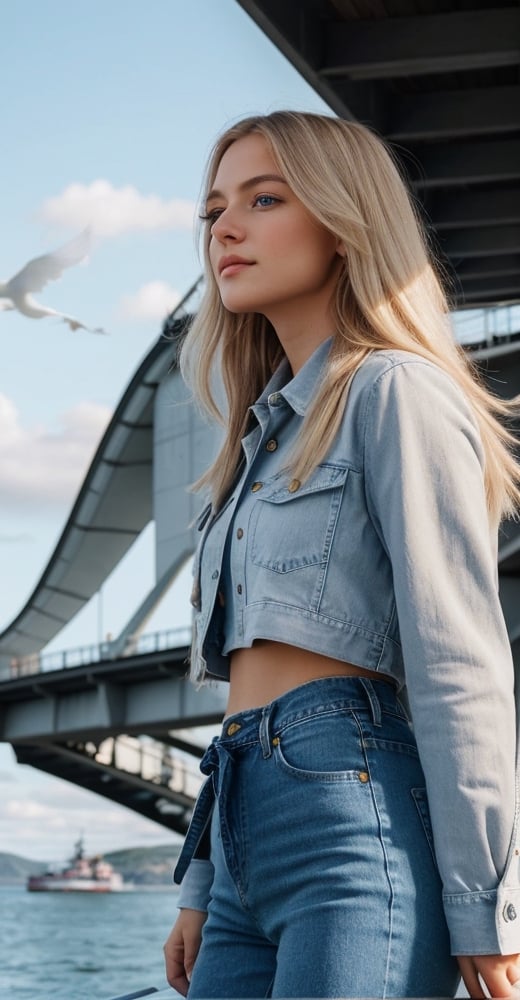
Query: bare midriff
[[269, 669]]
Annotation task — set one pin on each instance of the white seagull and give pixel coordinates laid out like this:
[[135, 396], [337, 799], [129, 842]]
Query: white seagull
[[16, 293]]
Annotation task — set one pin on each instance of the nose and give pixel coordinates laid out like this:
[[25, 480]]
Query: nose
[[227, 227]]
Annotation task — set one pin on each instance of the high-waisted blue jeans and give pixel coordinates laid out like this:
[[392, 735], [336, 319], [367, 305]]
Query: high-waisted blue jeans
[[325, 880]]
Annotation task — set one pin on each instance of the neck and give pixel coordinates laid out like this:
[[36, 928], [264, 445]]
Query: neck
[[305, 321], [301, 334]]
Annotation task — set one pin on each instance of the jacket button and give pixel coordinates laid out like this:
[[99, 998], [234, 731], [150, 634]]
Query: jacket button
[[274, 399], [271, 445], [294, 485], [214, 575], [240, 533], [255, 487], [239, 588], [509, 913]]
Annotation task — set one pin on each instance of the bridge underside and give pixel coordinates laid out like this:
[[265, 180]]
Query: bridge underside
[[154, 798], [440, 81], [131, 730]]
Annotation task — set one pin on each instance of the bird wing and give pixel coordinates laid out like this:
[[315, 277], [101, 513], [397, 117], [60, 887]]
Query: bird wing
[[34, 310], [49, 267]]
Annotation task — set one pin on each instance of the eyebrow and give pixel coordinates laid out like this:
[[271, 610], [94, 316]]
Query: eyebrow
[[245, 185]]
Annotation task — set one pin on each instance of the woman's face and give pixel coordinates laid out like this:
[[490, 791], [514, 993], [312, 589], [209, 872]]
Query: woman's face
[[268, 254]]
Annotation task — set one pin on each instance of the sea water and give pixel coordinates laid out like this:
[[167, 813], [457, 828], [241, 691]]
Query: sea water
[[82, 946]]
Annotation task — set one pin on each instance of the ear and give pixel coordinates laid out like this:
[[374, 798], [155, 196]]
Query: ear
[[340, 249]]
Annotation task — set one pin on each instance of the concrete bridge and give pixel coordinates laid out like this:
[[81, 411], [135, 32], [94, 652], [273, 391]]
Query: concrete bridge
[[119, 718], [84, 721]]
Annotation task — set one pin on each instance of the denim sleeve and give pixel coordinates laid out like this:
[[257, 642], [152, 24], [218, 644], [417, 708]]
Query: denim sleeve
[[426, 496], [195, 886]]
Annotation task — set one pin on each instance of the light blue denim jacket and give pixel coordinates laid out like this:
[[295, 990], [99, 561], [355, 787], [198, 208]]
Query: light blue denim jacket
[[383, 558]]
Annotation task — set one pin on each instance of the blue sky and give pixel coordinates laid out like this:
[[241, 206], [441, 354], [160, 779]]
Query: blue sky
[[109, 111]]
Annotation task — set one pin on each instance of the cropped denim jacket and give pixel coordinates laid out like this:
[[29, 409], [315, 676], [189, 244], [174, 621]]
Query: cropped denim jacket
[[383, 558]]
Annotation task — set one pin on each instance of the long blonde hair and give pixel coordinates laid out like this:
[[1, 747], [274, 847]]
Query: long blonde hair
[[388, 296]]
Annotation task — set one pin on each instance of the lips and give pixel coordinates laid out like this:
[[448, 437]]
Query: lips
[[233, 264]]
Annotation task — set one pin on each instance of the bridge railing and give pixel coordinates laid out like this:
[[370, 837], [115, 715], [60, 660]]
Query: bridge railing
[[152, 760], [79, 656]]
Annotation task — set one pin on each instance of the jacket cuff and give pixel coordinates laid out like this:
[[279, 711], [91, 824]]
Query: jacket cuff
[[471, 918], [195, 887]]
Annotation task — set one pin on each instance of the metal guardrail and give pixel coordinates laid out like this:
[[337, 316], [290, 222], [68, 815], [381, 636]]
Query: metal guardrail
[[158, 995], [153, 761], [81, 656], [140, 993], [486, 327]]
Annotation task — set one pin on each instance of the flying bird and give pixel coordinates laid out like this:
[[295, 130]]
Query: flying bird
[[16, 293]]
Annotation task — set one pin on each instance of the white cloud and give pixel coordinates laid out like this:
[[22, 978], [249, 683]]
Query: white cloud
[[41, 466], [110, 211], [20, 809], [44, 821], [153, 301]]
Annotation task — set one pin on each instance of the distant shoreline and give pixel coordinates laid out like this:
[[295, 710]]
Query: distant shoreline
[[147, 868]]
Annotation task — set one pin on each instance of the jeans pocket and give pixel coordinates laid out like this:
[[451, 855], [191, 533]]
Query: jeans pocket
[[421, 801], [324, 747]]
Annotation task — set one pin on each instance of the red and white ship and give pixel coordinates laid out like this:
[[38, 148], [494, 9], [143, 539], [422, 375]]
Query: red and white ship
[[82, 875]]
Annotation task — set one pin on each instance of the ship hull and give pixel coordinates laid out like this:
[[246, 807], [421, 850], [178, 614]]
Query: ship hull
[[44, 884]]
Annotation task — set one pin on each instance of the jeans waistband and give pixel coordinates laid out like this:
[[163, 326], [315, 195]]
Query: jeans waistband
[[316, 697], [260, 726]]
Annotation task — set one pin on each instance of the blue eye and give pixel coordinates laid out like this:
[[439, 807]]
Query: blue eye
[[265, 200]]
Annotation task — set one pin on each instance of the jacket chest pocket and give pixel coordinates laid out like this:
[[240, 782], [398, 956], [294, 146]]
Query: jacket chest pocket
[[291, 527]]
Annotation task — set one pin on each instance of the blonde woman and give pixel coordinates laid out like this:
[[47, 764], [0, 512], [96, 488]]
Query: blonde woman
[[346, 567]]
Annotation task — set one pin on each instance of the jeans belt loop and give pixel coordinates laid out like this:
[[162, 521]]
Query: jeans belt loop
[[263, 732], [373, 700]]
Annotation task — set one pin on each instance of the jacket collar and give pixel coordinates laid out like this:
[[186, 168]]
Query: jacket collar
[[298, 390]]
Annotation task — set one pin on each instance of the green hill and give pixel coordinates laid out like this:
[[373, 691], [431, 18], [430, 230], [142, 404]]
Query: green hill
[[146, 865], [13, 868]]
